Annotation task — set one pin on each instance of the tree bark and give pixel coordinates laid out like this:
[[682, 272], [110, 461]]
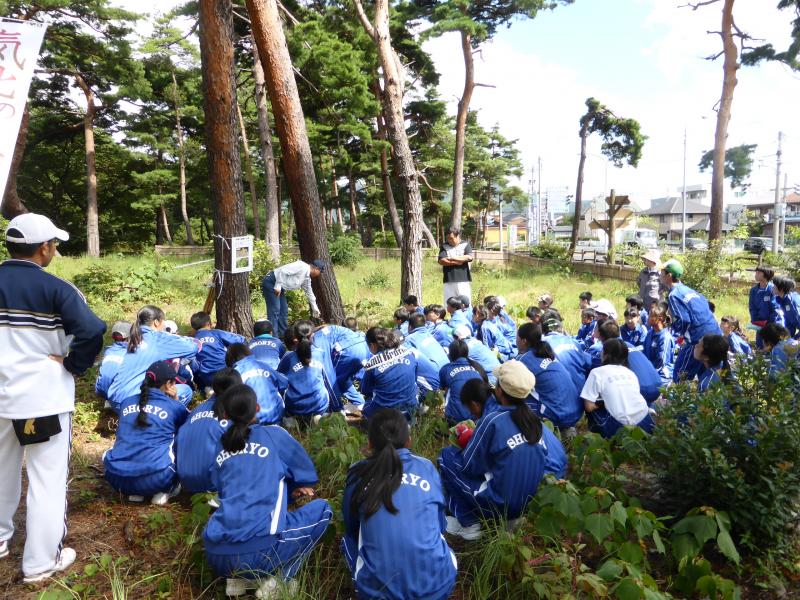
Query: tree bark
[[181, 164], [730, 66], [613, 209], [234, 311], [404, 169], [162, 215], [461, 130], [12, 204], [272, 227], [427, 233], [250, 179], [576, 220], [298, 164], [397, 227], [92, 216], [353, 201]]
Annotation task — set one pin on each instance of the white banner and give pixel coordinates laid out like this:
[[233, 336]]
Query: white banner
[[20, 42]]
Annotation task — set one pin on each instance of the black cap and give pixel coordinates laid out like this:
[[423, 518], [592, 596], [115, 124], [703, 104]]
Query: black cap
[[160, 372], [320, 264]]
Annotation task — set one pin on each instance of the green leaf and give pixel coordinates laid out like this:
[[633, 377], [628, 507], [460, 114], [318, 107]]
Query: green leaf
[[631, 552], [619, 513], [703, 528], [600, 526], [684, 546], [91, 569], [628, 589], [657, 541], [727, 547], [609, 570]]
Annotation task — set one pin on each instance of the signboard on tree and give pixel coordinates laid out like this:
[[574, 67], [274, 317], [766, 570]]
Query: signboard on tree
[[20, 42]]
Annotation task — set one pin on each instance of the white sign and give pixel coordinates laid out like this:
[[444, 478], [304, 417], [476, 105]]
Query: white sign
[[242, 254], [20, 42]]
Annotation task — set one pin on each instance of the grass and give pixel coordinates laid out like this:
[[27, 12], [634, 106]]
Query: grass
[[139, 551]]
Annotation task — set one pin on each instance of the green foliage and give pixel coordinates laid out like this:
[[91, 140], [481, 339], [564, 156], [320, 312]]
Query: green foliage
[[384, 240], [622, 139], [335, 446], [134, 285], [738, 164], [551, 251], [735, 450], [345, 249], [377, 279], [702, 270]]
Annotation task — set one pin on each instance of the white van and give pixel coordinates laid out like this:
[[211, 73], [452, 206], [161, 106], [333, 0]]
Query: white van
[[643, 238]]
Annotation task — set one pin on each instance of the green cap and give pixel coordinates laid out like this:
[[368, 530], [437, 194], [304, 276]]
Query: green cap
[[674, 268]]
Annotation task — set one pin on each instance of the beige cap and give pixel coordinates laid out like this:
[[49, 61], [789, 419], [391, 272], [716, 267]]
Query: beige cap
[[654, 256], [515, 379]]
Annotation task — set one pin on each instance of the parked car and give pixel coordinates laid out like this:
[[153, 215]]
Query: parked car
[[696, 244], [757, 245]]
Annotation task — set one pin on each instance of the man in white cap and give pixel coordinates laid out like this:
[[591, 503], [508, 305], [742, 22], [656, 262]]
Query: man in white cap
[[649, 281], [48, 335]]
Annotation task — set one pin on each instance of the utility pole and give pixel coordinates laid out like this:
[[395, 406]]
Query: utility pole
[[529, 236], [683, 197], [775, 213], [500, 207], [782, 241], [539, 198]]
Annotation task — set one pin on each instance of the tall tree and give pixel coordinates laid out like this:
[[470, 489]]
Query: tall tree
[[738, 164], [298, 165], [622, 143], [404, 169], [234, 311]]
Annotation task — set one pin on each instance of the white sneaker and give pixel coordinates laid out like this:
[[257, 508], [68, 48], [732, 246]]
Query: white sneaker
[[316, 419], [3, 548], [64, 562], [161, 498], [472, 532], [238, 586], [135, 498], [271, 588], [351, 409], [213, 502]]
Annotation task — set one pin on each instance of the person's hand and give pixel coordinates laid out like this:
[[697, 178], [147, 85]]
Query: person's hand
[[303, 491], [277, 292], [58, 359]]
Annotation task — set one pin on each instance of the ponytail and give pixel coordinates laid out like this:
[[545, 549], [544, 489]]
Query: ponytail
[[146, 315], [303, 351], [525, 419], [141, 418], [532, 334], [235, 437], [383, 338], [239, 402], [379, 476]]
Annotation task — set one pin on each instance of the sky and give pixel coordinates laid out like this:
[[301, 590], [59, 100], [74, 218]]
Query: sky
[[644, 59]]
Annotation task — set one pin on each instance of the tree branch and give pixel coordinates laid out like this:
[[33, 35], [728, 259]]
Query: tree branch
[[365, 22], [489, 85], [696, 5]]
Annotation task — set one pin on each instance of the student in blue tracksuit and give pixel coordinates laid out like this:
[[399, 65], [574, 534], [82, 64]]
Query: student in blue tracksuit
[[712, 351], [266, 382], [554, 396], [781, 349], [763, 305], [411, 304], [393, 508], [487, 333], [452, 378], [659, 345], [478, 351], [345, 351], [112, 359], [419, 337], [611, 395], [568, 351], [307, 394], [264, 346], [637, 302], [457, 315], [198, 436], [499, 471], [401, 321], [215, 343], [503, 321], [691, 318], [142, 461], [390, 376], [585, 333], [789, 301], [649, 379], [258, 471], [438, 327], [633, 331], [737, 342], [478, 400], [148, 343]]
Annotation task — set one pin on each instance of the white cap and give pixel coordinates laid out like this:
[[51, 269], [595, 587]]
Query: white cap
[[170, 327], [604, 307], [35, 229], [502, 301], [462, 332]]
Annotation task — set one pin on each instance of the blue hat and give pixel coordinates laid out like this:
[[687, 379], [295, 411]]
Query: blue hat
[[160, 372], [320, 264]]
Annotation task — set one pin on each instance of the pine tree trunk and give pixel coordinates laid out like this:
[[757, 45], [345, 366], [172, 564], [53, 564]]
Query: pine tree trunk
[[298, 165], [234, 311], [397, 227], [182, 164], [272, 228], [92, 216], [353, 201], [612, 211], [461, 130], [12, 204], [162, 214], [730, 66], [576, 220], [250, 179]]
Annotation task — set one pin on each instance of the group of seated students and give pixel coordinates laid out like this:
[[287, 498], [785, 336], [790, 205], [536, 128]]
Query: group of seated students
[[509, 379]]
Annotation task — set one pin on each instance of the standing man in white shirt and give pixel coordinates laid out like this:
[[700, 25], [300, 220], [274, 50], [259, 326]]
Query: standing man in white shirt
[[293, 276], [455, 256]]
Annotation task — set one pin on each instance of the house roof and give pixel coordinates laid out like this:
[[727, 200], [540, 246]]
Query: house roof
[[674, 206]]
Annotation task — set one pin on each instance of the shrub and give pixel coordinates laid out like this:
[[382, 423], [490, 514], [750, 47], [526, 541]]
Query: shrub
[[702, 270], [551, 251], [737, 450], [131, 286], [384, 240], [377, 279], [345, 249]]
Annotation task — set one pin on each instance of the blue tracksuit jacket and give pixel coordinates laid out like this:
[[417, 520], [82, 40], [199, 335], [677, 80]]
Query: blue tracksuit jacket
[[267, 349], [584, 336], [506, 325], [141, 451], [790, 306], [155, 346], [452, 378], [484, 357], [764, 305], [649, 378], [372, 546], [196, 444], [569, 352], [554, 397], [393, 383], [211, 357], [634, 336], [308, 392], [659, 348], [691, 316], [112, 360], [425, 343], [269, 386], [345, 351], [738, 345], [443, 334], [490, 335], [782, 354]]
